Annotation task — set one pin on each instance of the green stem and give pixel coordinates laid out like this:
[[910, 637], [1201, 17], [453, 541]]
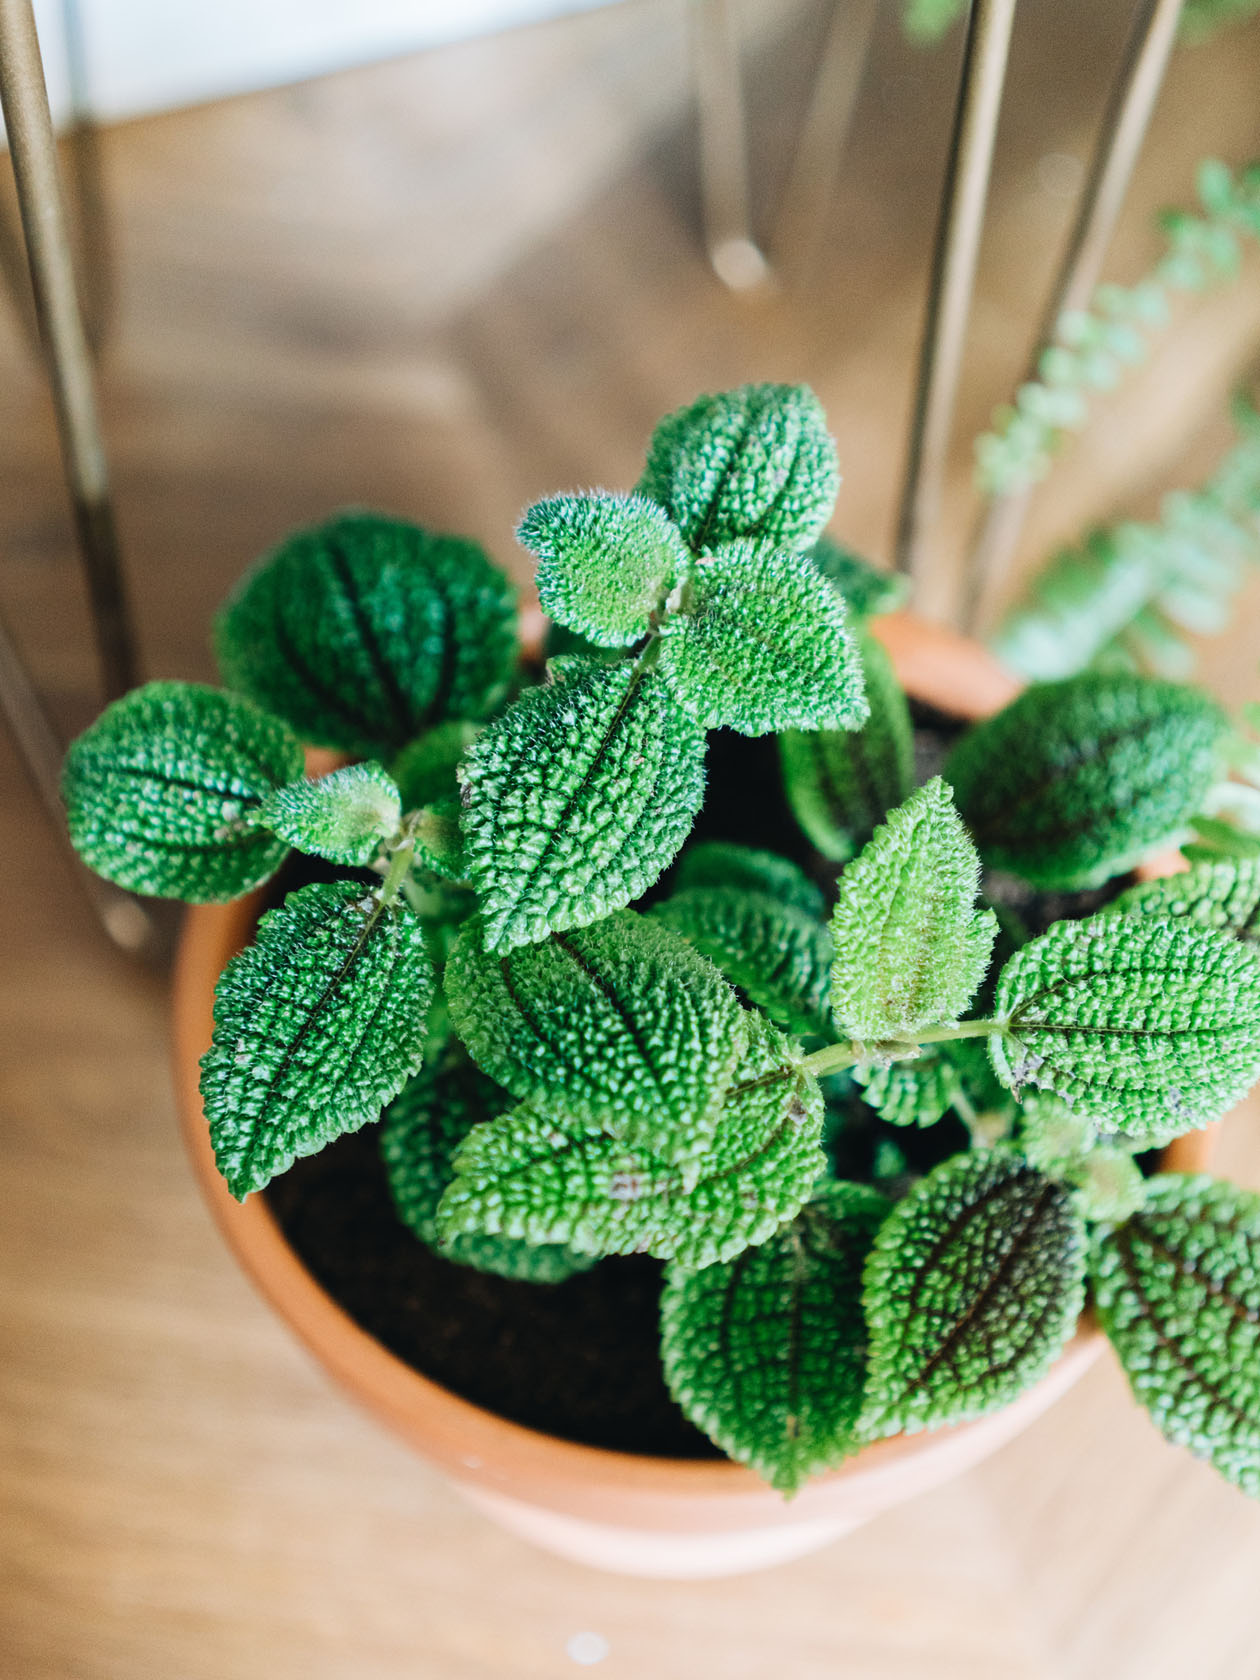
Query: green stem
[[833, 1057], [396, 874]]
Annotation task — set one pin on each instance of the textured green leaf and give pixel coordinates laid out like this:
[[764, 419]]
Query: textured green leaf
[[867, 590], [841, 783], [317, 1025], [974, 1285], [1149, 1027], [911, 947], [912, 1093], [163, 791], [766, 1353], [763, 645], [1076, 781], [621, 1026], [1108, 1185], [365, 631], [344, 816], [605, 563], [1178, 1291], [1224, 895], [778, 956], [425, 768], [576, 799], [525, 1176], [423, 1126], [723, 863], [755, 462]]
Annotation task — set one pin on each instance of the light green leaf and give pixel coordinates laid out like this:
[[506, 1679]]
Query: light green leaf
[[621, 1026], [422, 1128], [841, 783], [779, 957], [911, 1093], [766, 1353], [317, 1025], [528, 1177], [1148, 1027], [1108, 1185], [973, 1287], [867, 590], [425, 768], [1224, 895], [1076, 781], [163, 792], [605, 563], [911, 948], [755, 462], [366, 631], [344, 816], [762, 645], [1177, 1288], [723, 863], [576, 799]]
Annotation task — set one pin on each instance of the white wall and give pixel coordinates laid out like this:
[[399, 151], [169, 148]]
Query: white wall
[[149, 55]]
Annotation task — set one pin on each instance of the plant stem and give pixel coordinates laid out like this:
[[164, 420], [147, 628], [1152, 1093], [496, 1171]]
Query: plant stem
[[834, 1057], [396, 874]]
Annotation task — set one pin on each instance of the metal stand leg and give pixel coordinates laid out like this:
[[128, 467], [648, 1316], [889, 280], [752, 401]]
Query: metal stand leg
[[736, 258]]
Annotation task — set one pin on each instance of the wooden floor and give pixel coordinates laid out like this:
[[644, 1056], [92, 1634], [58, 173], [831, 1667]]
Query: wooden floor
[[445, 286]]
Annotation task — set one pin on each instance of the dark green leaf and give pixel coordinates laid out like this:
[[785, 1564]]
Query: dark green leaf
[[576, 799], [366, 631], [973, 1287], [867, 590], [163, 792], [621, 1026], [423, 1127], [1076, 781], [842, 783], [755, 462], [779, 957], [1177, 1288], [525, 1176], [344, 816], [1150, 1027], [606, 563], [723, 863], [766, 1352], [763, 645], [317, 1025], [425, 768]]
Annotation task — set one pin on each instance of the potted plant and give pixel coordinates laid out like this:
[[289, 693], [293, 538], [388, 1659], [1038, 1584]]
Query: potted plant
[[877, 1136]]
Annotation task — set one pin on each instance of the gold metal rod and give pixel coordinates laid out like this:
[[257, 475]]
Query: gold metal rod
[[1125, 121], [735, 255], [803, 216], [24, 99], [953, 273]]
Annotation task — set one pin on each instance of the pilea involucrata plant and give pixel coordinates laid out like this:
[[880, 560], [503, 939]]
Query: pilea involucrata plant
[[884, 1118]]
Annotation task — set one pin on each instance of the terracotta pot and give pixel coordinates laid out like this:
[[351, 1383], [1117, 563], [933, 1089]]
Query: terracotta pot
[[613, 1510]]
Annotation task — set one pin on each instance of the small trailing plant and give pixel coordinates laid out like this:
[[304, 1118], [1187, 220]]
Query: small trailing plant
[[884, 1140]]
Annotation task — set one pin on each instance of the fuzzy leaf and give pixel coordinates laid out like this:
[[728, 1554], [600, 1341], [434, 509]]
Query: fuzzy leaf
[[1076, 781], [1178, 1291], [1149, 1027], [163, 791], [766, 1353], [317, 1025], [422, 1128], [576, 799], [1224, 895], [911, 947], [841, 783], [867, 590], [723, 863], [778, 957], [525, 1176], [763, 646], [621, 1027], [605, 563], [425, 768], [755, 462], [344, 816], [912, 1093], [974, 1285], [365, 631]]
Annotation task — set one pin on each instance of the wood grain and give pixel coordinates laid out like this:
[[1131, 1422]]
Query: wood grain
[[444, 286]]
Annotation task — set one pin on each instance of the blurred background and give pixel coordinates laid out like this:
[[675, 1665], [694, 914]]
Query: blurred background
[[442, 258]]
